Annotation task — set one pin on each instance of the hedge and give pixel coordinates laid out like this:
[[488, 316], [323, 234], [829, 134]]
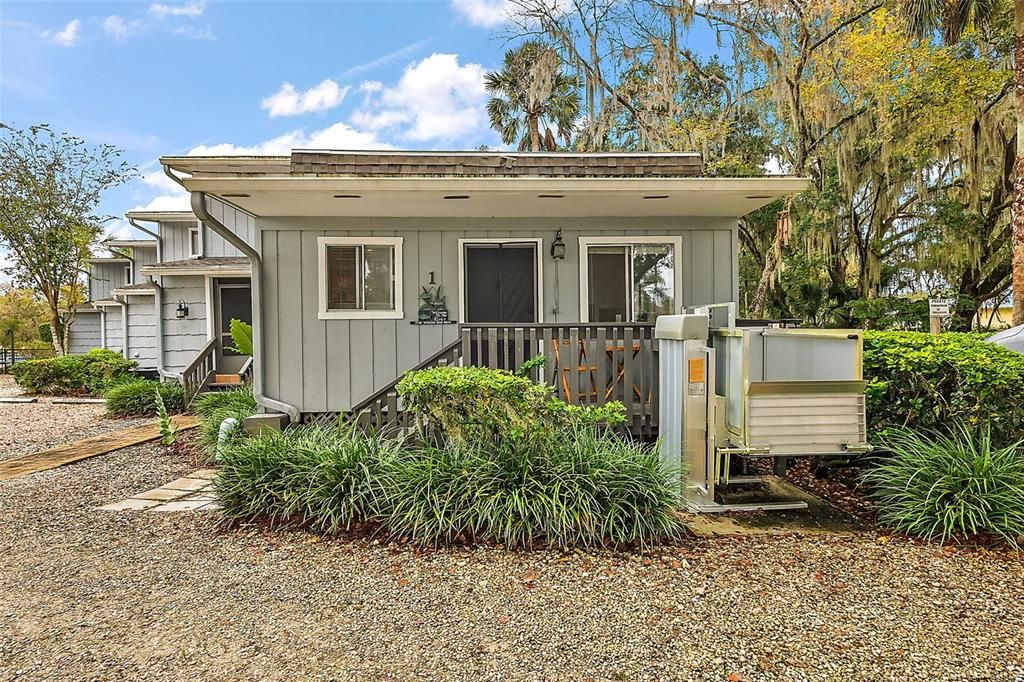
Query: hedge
[[92, 372], [925, 382]]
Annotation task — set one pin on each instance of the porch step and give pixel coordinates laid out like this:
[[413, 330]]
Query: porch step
[[224, 382]]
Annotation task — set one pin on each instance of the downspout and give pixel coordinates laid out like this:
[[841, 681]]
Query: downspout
[[124, 326], [256, 264], [103, 327], [158, 302]]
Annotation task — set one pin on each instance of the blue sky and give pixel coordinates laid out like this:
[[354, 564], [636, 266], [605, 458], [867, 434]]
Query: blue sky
[[159, 77]]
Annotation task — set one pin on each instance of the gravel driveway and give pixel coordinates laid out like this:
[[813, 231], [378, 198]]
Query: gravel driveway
[[90, 594], [27, 427]]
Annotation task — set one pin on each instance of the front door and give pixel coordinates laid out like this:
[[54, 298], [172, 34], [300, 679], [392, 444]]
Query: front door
[[500, 282], [234, 302]]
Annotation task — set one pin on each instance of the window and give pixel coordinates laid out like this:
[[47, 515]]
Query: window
[[629, 279], [360, 277], [128, 275], [195, 243]]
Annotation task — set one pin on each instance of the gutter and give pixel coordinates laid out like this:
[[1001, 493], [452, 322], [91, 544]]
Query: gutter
[[199, 208], [151, 233]]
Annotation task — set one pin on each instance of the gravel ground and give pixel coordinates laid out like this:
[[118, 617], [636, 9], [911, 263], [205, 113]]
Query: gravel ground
[[88, 594], [27, 427]]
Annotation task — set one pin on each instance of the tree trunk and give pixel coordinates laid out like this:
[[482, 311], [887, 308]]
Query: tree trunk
[[1017, 207], [56, 334], [535, 130]]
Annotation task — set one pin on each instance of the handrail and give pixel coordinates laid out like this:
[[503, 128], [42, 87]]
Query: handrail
[[432, 361], [198, 372], [246, 369]]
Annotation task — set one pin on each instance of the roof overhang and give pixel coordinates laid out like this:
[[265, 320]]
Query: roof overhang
[[162, 216], [135, 292], [287, 195], [199, 269], [130, 243], [109, 260]]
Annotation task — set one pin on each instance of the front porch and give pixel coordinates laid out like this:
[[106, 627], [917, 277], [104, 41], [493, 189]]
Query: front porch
[[585, 364]]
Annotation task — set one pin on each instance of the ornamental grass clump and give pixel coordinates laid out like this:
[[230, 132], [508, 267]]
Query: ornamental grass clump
[[942, 486], [138, 398], [214, 407], [575, 487], [312, 475]]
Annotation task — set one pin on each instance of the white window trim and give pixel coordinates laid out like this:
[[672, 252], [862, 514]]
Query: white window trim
[[587, 242], [325, 314], [199, 242], [539, 242]]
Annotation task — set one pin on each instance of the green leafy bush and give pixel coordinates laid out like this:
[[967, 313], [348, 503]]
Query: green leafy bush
[[213, 408], [138, 398], [927, 382], [325, 478], [92, 373], [477, 405], [577, 487], [944, 485], [573, 487]]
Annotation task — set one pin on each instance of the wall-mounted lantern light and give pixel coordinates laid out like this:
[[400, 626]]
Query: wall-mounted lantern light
[[558, 247], [182, 310]]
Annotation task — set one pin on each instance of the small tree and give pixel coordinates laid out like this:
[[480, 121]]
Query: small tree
[[50, 186]]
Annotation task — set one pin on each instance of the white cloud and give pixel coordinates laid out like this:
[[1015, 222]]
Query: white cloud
[[167, 202], [436, 98], [66, 37], [116, 27], [191, 9], [290, 102], [337, 136], [776, 166], [486, 13]]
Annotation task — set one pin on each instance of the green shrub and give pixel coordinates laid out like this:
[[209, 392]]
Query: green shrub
[[576, 487], [943, 485], [477, 406], [927, 382], [92, 372], [138, 398], [213, 408], [325, 478]]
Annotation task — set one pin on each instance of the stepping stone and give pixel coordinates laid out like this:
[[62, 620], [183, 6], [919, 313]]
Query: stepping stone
[[18, 400], [161, 494], [130, 505], [188, 484], [204, 473], [181, 505]]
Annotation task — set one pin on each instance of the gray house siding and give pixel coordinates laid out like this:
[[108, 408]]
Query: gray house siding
[[104, 278], [142, 331], [329, 365], [143, 257], [115, 333], [85, 332], [183, 338]]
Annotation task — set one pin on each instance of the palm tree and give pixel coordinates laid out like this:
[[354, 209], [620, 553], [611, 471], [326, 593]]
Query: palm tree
[[953, 18], [533, 103]]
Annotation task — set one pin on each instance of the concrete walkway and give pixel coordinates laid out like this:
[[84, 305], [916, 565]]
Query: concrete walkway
[[88, 447]]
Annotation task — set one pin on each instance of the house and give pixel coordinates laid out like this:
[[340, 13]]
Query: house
[[119, 313], [367, 264]]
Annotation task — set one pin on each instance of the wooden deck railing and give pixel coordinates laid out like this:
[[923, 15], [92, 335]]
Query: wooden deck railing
[[586, 364], [198, 373], [383, 409]]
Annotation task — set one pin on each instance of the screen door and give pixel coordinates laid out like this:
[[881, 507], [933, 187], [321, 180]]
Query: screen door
[[501, 282]]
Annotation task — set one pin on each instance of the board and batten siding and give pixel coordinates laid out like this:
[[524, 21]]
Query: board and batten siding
[[142, 258], [104, 278], [84, 333], [114, 330], [142, 331], [183, 338], [330, 365]]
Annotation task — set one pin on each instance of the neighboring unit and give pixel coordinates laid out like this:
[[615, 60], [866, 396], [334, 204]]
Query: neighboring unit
[[120, 314]]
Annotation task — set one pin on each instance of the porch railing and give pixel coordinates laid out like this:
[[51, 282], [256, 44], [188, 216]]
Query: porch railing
[[383, 409], [585, 364], [199, 372]]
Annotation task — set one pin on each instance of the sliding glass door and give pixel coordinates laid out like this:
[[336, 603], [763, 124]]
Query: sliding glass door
[[630, 282]]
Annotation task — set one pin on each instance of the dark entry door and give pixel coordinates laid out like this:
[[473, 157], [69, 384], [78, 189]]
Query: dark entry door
[[501, 282], [234, 301]]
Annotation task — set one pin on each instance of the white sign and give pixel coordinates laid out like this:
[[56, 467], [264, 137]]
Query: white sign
[[940, 307]]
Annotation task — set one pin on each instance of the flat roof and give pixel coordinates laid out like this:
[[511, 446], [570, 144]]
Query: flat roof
[[477, 184]]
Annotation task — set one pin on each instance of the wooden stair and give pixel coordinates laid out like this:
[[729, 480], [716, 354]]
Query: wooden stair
[[224, 382]]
